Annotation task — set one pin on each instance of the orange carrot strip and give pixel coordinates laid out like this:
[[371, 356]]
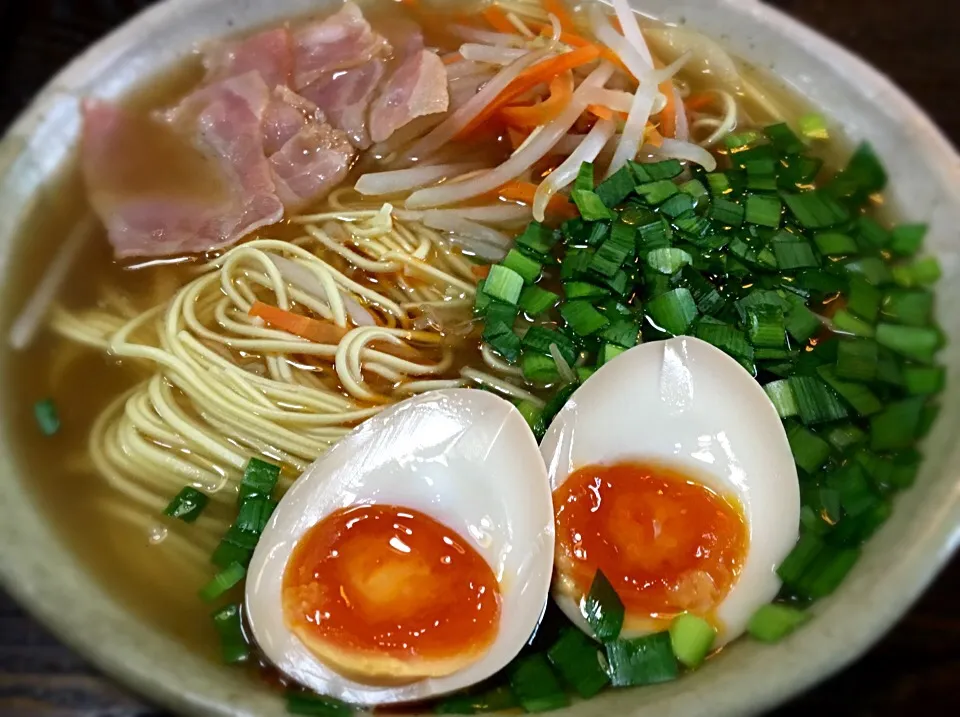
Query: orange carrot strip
[[700, 101], [498, 20], [559, 8], [600, 112], [541, 72], [481, 271], [517, 191], [452, 57], [561, 92], [652, 136], [668, 115], [320, 332], [574, 40]]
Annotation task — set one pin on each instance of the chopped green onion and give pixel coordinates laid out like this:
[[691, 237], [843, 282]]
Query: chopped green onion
[[843, 437], [603, 609], [741, 140], [531, 413], [784, 139], [765, 326], [584, 290], [482, 301], [922, 272], [793, 252], [540, 339], [668, 260], [254, 513], [576, 657], [575, 263], [924, 380], [763, 210], [538, 238], [772, 623], [677, 204], [856, 359], [707, 298], [846, 323], [835, 243], [801, 323], [223, 581], [863, 299], [187, 506], [810, 451], [863, 175], [913, 308], [503, 284], [500, 337], [536, 686], [590, 205], [815, 210], [643, 661], [584, 180], [691, 638], [816, 403], [861, 398], [919, 344], [582, 317], [726, 338], [526, 267], [813, 126], [612, 254], [539, 368], [300, 702], [654, 235], [657, 192], [726, 212], [781, 395], [615, 188], [907, 239], [608, 352], [229, 625], [673, 311], [804, 553], [719, 184], [668, 169], [856, 494], [827, 571], [48, 419], [623, 333], [497, 699], [259, 478], [534, 300], [897, 426], [872, 268], [696, 190]]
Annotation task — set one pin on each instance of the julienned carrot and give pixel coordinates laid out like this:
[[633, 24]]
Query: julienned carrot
[[561, 91], [652, 136], [528, 79], [558, 8], [700, 101], [668, 115], [600, 112], [481, 271], [517, 191], [451, 58], [320, 332], [497, 19], [574, 40]]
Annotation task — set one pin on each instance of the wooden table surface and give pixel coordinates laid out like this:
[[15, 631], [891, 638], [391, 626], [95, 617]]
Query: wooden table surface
[[914, 669]]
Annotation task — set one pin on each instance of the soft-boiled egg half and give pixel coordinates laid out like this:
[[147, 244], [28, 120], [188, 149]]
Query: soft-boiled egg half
[[413, 559], [671, 473]]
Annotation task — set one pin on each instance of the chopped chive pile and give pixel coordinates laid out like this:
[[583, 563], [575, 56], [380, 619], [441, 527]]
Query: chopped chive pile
[[48, 419]]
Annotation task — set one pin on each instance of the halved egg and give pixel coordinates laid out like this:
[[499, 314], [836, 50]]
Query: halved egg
[[413, 559], [671, 473]]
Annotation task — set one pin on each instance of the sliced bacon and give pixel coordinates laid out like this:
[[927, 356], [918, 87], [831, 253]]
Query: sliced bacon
[[345, 96], [416, 89], [341, 41], [285, 115], [270, 53], [311, 164]]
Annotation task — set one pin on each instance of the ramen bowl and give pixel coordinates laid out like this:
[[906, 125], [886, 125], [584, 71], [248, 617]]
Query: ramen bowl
[[40, 568]]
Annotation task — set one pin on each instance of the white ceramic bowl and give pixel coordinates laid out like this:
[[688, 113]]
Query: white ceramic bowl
[[898, 563]]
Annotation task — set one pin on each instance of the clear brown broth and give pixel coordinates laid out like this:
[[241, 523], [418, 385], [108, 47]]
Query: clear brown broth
[[82, 381]]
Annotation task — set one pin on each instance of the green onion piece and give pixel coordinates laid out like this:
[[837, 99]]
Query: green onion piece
[[654, 235], [696, 190], [187, 506], [781, 395], [582, 317], [815, 210], [907, 239], [575, 263], [827, 572], [540, 338], [539, 368], [726, 338], [623, 333], [584, 290], [813, 126], [872, 268], [691, 638], [765, 326], [804, 553], [922, 272], [531, 414], [784, 139], [810, 451], [919, 344], [536, 686], [677, 204], [924, 380], [673, 311], [230, 550], [863, 299], [259, 478], [667, 169], [657, 192], [835, 243], [643, 661], [538, 238], [913, 308], [229, 625], [668, 260], [482, 301], [500, 313], [799, 171], [603, 609], [576, 657], [590, 205], [608, 352], [584, 372], [48, 419], [223, 581], [741, 140], [612, 254], [846, 323], [255, 512], [526, 267], [708, 299], [615, 188], [497, 699], [719, 184], [863, 175], [726, 212], [772, 623], [801, 323], [300, 702], [897, 426], [793, 252], [557, 402], [845, 436], [861, 398], [871, 233], [501, 338], [816, 403], [763, 210], [856, 359], [584, 180], [857, 495], [534, 300], [503, 284]]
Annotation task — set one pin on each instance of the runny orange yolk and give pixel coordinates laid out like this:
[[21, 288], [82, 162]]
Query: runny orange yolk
[[666, 543], [390, 592]]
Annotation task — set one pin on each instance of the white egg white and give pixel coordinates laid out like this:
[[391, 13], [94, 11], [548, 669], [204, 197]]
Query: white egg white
[[465, 458], [685, 404]]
